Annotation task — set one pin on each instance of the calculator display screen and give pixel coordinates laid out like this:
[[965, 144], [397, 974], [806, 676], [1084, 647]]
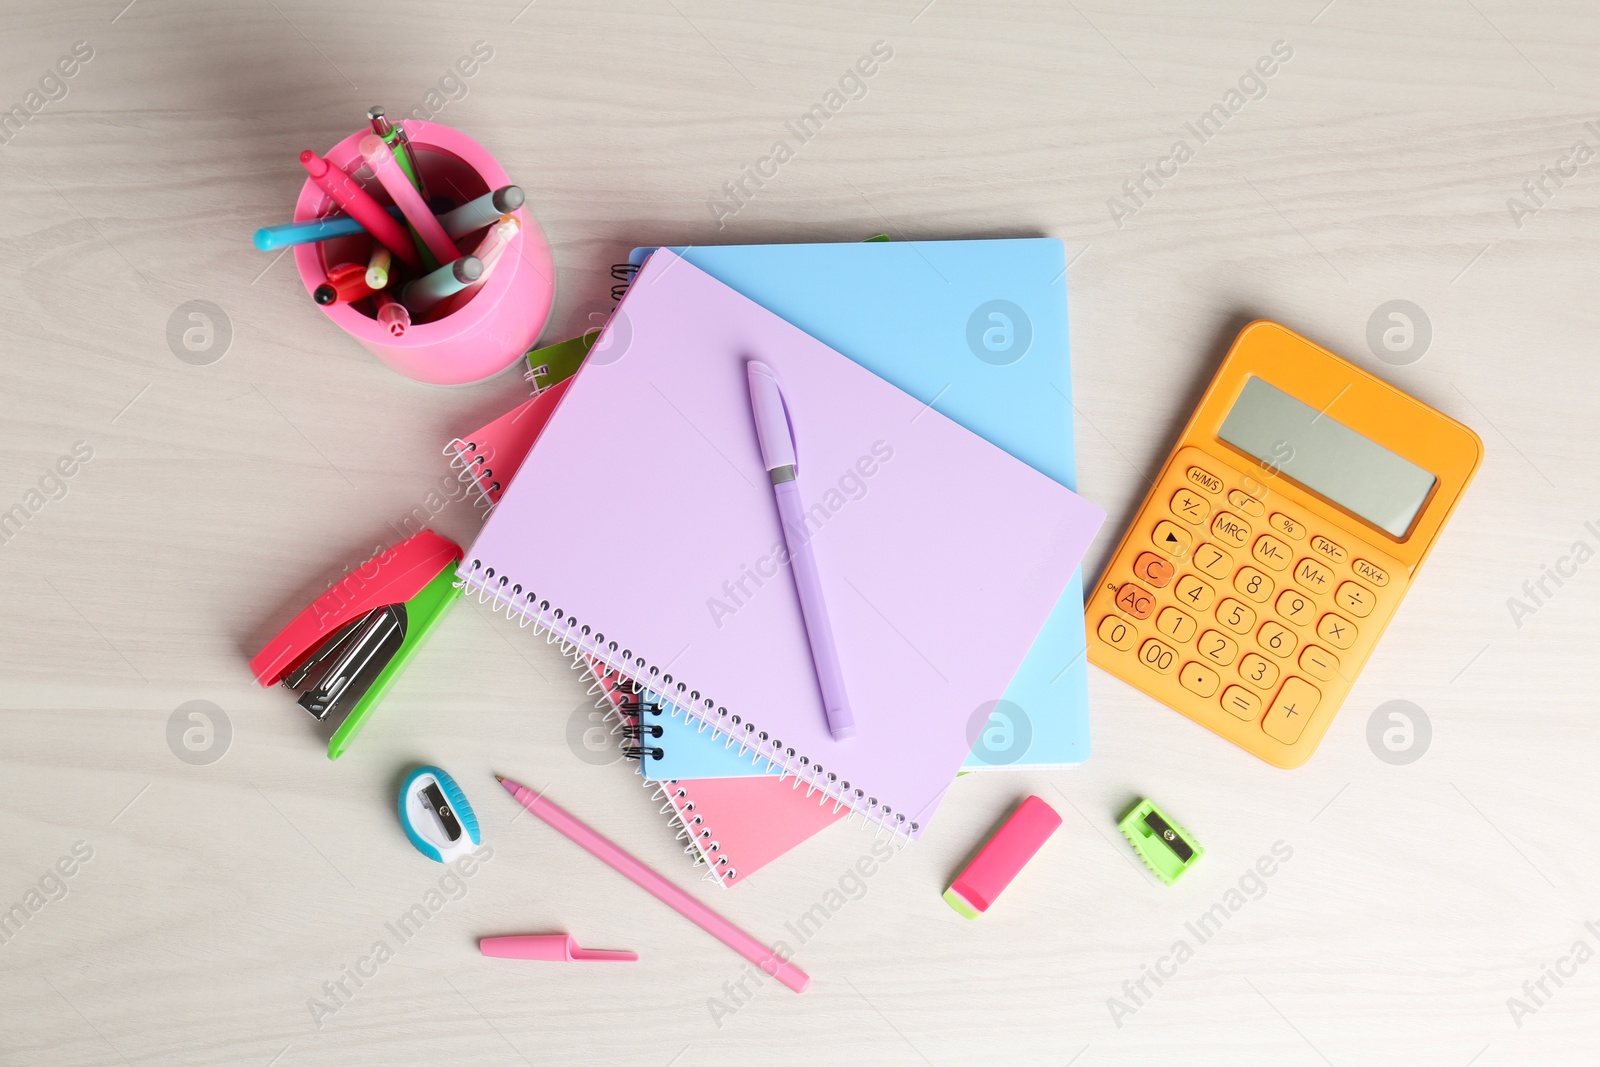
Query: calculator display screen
[[1327, 457]]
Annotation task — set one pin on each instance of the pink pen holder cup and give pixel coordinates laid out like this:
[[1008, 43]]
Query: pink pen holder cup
[[486, 334]]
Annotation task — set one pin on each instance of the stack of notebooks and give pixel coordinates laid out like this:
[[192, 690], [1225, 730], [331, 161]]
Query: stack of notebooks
[[929, 389]]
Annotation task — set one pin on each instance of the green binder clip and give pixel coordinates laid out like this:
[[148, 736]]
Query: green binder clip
[[1166, 848], [350, 644]]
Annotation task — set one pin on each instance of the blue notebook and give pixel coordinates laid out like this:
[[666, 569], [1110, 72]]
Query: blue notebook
[[978, 330]]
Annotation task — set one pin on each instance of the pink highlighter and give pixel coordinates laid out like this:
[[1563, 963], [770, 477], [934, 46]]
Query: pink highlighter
[[1000, 860]]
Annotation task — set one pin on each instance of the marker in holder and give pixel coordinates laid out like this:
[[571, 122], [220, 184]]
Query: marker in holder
[[480, 337]]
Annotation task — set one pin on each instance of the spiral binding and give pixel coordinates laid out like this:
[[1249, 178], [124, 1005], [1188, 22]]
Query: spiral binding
[[472, 469], [622, 273], [582, 643]]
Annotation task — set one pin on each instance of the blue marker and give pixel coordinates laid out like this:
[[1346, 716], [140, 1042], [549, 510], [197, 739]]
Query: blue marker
[[272, 238]]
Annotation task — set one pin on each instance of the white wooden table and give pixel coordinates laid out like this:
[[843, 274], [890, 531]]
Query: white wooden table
[[218, 497]]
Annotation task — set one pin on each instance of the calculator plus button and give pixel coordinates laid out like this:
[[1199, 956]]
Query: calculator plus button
[[1236, 616], [1175, 624], [1258, 672], [1246, 503], [1156, 570], [1355, 599], [1319, 663], [1296, 607], [1276, 639], [1217, 648], [1190, 507], [1289, 713], [1241, 703], [1231, 529], [1327, 549], [1157, 657], [1205, 480], [1136, 600], [1198, 678], [1288, 527], [1171, 539], [1340, 633], [1314, 576], [1367, 571], [1118, 633], [1271, 552], [1193, 593], [1213, 561], [1253, 584]]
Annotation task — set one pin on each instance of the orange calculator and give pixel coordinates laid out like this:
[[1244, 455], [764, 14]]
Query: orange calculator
[[1277, 543]]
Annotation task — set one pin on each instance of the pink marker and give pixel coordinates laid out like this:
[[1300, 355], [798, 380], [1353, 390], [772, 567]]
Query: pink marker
[[392, 315], [554, 948], [1000, 860], [769, 961], [405, 195], [359, 205]]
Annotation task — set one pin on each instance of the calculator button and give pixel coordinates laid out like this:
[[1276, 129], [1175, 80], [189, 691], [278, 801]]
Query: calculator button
[[1271, 552], [1213, 561], [1376, 575], [1205, 480], [1313, 575], [1253, 584], [1246, 503], [1118, 633], [1340, 633], [1296, 607], [1157, 570], [1288, 527], [1232, 529], [1157, 657], [1289, 713], [1190, 507], [1171, 539], [1198, 678], [1136, 600], [1277, 639], [1236, 616], [1217, 648], [1327, 549], [1355, 599], [1193, 593], [1319, 663], [1258, 672], [1241, 703], [1175, 624]]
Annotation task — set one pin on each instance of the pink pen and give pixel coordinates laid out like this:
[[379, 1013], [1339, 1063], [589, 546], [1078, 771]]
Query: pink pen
[[392, 315], [773, 963], [405, 195], [359, 205], [775, 432]]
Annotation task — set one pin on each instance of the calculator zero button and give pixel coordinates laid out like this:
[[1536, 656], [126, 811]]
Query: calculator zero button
[[1231, 529], [1354, 599], [1313, 575], [1118, 633], [1338, 632], [1190, 507], [1287, 717]]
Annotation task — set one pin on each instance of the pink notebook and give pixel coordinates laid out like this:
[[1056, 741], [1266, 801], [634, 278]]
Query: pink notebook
[[490, 456], [940, 555]]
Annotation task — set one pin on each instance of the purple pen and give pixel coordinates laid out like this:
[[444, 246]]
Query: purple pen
[[776, 435]]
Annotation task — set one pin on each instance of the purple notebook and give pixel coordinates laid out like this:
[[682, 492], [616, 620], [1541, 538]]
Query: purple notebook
[[642, 529]]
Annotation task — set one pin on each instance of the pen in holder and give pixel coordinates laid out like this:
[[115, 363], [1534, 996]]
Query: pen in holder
[[481, 336]]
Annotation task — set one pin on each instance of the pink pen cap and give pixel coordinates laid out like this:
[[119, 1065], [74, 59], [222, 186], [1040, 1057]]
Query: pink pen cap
[[999, 861], [554, 948]]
